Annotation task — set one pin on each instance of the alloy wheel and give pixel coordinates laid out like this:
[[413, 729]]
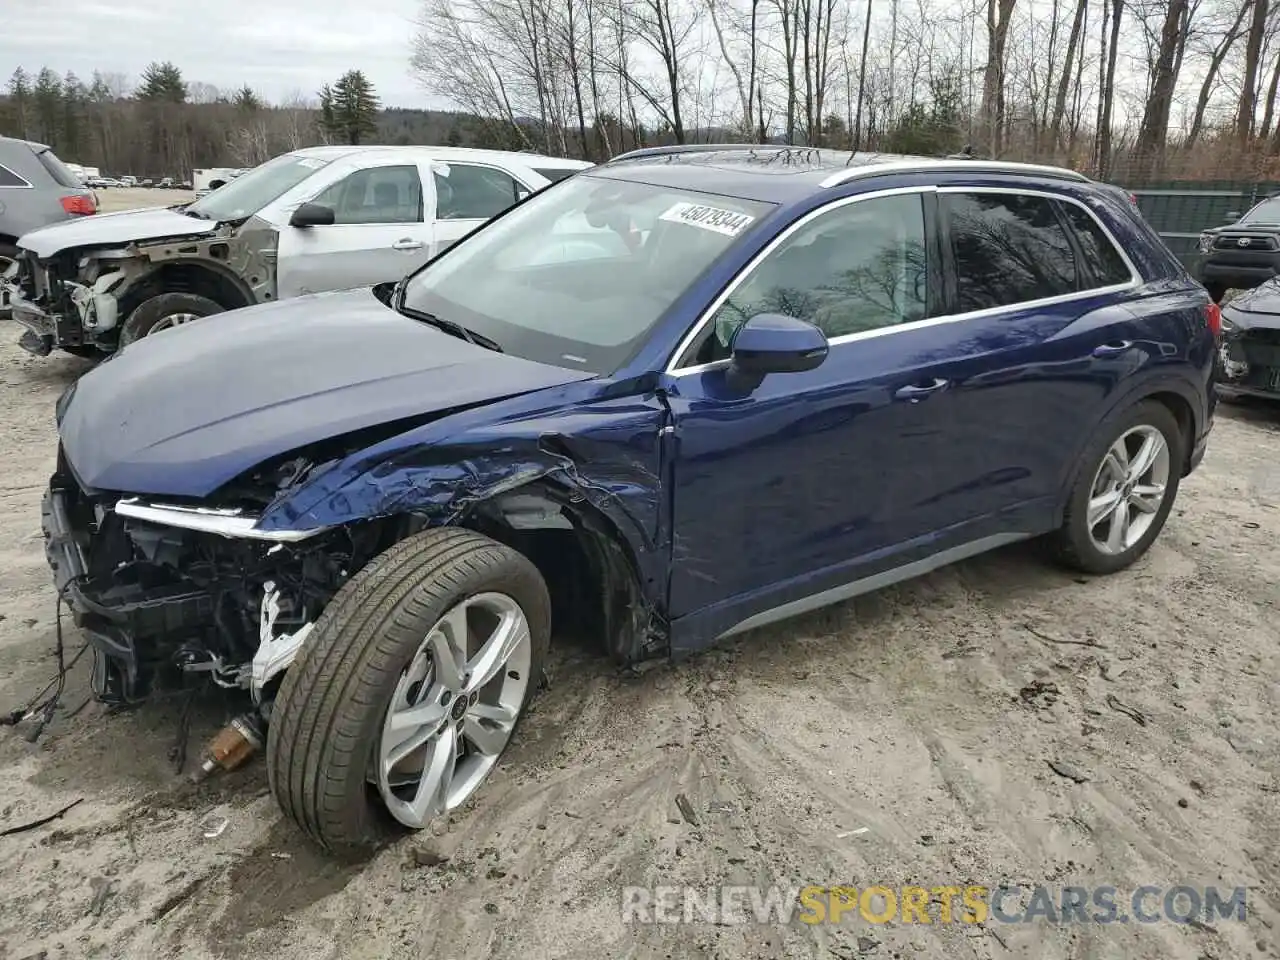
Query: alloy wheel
[[1128, 489], [453, 709], [173, 320]]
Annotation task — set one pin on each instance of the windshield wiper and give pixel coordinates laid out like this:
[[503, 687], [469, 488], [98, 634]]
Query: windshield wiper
[[451, 327], [191, 213]]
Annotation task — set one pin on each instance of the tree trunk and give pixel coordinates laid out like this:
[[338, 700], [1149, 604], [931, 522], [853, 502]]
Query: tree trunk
[[1065, 81], [1252, 56], [1216, 58], [862, 79], [1106, 104], [1154, 131], [999, 13], [1272, 90]]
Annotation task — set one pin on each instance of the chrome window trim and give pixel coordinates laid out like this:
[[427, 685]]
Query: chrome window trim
[[927, 165], [24, 185], [1135, 278], [231, 523]]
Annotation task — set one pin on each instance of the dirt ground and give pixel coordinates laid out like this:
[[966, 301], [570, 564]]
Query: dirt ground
[[116, 199], [905, 738]]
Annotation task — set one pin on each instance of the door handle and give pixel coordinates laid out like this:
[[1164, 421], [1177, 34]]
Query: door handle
[[1112, 348], [918, 391], [407, 244]]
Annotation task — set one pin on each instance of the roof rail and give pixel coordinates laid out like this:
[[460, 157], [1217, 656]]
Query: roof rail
[[959, 164], [677, 148]]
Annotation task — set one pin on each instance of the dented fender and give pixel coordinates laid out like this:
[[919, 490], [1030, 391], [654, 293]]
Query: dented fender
[[609, 454]]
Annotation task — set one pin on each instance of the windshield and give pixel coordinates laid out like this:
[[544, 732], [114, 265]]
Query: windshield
[[1266, 212], [578, 275], [250, 192]]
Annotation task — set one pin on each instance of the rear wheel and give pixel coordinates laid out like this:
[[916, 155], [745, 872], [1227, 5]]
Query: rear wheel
[[163, 312], [409, 688], [1124, 491]]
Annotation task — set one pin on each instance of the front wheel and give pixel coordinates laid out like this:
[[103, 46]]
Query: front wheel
[[163, 312], [1124, 491], [409, 688]]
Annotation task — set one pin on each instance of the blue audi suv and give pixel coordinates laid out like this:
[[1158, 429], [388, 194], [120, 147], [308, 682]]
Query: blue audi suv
[[679, 395]]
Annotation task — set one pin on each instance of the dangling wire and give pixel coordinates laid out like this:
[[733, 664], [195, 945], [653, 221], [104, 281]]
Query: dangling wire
[[44, 708]]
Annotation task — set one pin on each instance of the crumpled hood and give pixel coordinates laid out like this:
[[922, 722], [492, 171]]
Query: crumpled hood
[[184, 411], [1259, 306], [114, 228]]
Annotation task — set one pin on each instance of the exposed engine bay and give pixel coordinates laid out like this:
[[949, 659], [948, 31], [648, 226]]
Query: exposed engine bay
[[158, 602], [79, 299]]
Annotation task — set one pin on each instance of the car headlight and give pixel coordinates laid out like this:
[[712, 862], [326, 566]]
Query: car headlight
[[1206, 242]]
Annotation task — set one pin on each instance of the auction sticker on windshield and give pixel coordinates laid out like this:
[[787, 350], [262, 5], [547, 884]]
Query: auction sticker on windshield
[[729, 222]]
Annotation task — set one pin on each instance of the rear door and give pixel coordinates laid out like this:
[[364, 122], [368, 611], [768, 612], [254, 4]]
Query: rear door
[[381, 231], [1040, 341], [468, 195]]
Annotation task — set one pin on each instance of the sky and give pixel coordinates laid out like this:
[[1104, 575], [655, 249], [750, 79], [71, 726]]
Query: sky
[[278, 47]]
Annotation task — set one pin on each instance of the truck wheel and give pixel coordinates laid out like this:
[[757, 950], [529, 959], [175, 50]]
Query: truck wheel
[[1125, 489], [8, 253], [163, 312], [408, 690]]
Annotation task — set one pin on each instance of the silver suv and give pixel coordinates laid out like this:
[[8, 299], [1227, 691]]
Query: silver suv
[[36, 189]]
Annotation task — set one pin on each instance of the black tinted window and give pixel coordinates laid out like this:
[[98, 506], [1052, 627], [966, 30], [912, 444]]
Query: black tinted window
[[1008, 249], [1101, 259], [10, 179], [60, 172]]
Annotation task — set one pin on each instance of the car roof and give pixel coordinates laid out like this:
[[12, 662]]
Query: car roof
[[780, 174], [457, 154], [37, 147]]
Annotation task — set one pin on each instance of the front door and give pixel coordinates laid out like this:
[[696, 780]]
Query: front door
[[782, 490], [381, 231]]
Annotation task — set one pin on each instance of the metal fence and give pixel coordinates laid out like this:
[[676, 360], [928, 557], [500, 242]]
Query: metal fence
[[1180, 209]]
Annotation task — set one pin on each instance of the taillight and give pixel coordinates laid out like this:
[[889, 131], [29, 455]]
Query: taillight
[[1213, 318], [80, 205]]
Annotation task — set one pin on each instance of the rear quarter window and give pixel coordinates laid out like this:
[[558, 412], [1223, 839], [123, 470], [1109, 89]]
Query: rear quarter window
[[61, 174], [1104, 266], [554, 174], [10, 179]]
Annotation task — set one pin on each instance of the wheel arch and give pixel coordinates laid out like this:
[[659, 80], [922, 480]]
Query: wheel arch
[[587, 562], [192, 275], [1175, 393]]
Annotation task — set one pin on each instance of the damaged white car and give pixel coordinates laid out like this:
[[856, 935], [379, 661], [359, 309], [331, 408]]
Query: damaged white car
[[318, 219]]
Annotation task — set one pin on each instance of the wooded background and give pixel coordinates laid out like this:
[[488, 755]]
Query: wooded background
[[1133, 91]]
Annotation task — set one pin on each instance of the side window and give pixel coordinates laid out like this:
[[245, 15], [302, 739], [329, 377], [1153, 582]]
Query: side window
[[10, 179], [376, 195], [1009, 248], [474, 193], [859, 267], [1100, 254]]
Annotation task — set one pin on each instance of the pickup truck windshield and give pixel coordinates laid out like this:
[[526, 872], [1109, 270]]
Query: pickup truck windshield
[[250, 192], [579, 274], [1268, 211]]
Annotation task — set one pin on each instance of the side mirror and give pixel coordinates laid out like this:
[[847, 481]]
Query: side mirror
[[775, 343], [312, 215]]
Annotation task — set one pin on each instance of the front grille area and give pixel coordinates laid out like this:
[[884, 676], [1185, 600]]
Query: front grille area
[[1231, 241]]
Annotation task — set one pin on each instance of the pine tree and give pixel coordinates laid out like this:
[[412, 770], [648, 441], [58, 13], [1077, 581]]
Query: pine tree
[[349, 109], [74, 96], [247, 100], [47, 100], [162, 83], [20, 103]]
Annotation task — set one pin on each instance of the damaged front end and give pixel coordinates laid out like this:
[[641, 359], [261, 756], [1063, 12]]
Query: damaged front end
[[165, 591], [78, 299]]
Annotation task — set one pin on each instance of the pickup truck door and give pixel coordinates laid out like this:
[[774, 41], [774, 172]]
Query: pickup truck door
[[468, 195], [382, 230]]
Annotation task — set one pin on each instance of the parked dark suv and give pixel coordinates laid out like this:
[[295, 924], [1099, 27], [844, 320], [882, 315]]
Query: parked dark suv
[[1242, 254], [672, 398]]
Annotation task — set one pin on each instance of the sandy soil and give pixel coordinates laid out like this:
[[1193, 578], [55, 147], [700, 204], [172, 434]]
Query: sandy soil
[[904, 738], [115, 199]]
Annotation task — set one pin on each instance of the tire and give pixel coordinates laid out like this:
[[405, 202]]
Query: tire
[[326, 722], [1074, 543], [8, 253], [154, 313]]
